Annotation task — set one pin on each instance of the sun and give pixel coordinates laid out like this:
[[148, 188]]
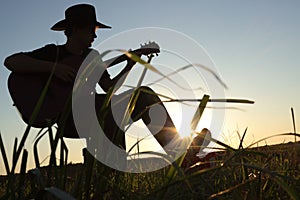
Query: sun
[[182, 116]]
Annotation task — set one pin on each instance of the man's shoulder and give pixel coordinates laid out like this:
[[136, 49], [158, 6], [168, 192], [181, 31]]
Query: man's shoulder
[[47, 48], [47, 52], [51, 46]]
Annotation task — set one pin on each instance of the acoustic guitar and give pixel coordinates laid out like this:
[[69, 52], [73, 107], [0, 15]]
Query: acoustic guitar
[[25, 89]]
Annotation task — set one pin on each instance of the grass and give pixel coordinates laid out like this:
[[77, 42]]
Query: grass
[[271, 172]]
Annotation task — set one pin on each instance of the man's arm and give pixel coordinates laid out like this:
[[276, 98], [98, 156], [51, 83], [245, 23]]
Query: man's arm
[[22, 63], [106, 82]]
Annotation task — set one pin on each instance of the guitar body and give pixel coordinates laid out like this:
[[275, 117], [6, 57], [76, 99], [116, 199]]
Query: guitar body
[[26, 89]]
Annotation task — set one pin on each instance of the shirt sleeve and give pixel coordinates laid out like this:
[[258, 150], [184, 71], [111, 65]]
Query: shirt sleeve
[[47, 53]]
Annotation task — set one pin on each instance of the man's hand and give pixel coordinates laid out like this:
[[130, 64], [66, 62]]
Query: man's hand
[[130, 61]]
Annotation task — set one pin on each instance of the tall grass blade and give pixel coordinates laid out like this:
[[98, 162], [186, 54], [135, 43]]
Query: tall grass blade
[[59, 134], [22, 174], [291, 191], [172, 171], [88, 173], [272, 136], [199, 112], [242, 101], [275, 176], [66, 152], [231, 189], [35, 149], [53, 144], [134, 145], [294, 124], [222, 144], [175, 167], [130, 107], [16, 155], [194, 65], [63, 163], [242, 139], [38, 134], [4, 156], [144, 72]]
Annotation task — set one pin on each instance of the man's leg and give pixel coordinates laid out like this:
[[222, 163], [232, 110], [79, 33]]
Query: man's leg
[[109, 125], [151, 110]]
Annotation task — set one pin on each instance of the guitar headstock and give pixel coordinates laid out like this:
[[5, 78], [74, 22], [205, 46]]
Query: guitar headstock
[[150, 48]]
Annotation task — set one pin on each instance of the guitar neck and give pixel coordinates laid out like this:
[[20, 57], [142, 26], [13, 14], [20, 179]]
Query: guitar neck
[[142, 51]]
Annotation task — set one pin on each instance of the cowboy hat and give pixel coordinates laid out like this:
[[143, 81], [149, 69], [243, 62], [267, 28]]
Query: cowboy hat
[[80, 14]]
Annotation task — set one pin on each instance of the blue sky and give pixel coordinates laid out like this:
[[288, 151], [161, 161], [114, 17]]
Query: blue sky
[[254, 45]]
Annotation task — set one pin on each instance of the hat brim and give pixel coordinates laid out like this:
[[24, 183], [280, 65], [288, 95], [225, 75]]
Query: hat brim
[[61, 25]]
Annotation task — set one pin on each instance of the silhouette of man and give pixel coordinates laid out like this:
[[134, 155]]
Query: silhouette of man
[[80, 25]]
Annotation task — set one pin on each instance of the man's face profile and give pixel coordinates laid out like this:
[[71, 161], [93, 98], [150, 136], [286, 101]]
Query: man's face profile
[[84, 35]]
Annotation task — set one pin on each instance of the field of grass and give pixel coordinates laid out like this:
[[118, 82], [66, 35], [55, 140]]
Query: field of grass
[[269, 172]]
